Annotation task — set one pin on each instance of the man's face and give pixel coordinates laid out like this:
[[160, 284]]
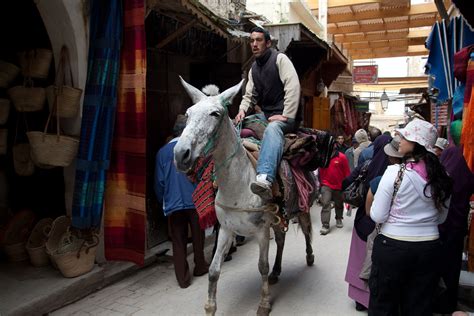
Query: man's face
[[258, 44], [340, 140]]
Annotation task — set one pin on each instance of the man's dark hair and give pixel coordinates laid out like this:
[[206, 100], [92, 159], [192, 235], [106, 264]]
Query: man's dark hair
[[261, 30], [374, 133]]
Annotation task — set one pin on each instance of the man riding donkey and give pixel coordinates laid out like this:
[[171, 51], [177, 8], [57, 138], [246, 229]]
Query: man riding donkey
[[273, 84]]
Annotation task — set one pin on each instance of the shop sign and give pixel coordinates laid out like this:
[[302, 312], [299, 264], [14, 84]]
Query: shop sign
[[365, 74]]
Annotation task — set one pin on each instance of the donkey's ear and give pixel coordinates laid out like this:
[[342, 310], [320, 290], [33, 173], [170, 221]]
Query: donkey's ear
[[195, 94], [230, 93]]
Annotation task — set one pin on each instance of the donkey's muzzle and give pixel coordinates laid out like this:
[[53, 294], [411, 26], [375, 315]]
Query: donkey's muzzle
[[182, 157]]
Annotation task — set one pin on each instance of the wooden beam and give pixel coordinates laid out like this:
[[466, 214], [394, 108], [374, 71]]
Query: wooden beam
[[386, 54], [408, 49], [408, 79], [429, 21], [314, 4], [442, 9], [176, 33], [386, 43], [418, 9], [368, 37]]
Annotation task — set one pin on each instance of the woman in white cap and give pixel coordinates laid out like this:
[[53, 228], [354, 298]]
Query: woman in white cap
[[440, 145], [411, 200]]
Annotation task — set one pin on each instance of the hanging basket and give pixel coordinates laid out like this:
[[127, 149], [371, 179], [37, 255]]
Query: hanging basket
[[22, 161], [27, 99], [35, 63], [8, 73], [68, 100], [4, 110], [36, 243], [76, 256], [3, 141], [53, 149], [59, 226]]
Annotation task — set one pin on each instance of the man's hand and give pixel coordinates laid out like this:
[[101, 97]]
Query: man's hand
[[239, 117], [277, 118]]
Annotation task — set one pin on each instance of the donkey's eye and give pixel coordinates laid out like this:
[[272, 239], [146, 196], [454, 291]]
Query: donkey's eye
[[215, 114]]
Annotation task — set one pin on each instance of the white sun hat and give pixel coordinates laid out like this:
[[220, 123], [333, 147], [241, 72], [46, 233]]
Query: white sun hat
[[421, 132], [442, 143]]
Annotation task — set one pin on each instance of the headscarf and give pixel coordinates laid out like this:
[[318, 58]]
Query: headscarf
[[363, 224], [379, 160], [463, 187], [361, 136]]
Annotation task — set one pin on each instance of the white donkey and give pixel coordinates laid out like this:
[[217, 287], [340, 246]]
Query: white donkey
[[238, 210]]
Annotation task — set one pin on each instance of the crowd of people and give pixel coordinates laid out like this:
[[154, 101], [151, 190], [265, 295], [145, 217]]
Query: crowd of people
[[408, 234]]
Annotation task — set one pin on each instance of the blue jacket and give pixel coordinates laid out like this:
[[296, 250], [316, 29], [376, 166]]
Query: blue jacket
[[172, 188], [366, 154]]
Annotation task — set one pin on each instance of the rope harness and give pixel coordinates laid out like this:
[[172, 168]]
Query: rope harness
[[271, 208]]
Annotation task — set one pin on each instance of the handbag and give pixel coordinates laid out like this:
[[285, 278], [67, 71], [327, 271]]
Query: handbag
[[354, 194], [367, 265]]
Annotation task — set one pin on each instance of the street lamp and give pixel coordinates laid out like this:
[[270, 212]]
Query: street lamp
[[384, 100]]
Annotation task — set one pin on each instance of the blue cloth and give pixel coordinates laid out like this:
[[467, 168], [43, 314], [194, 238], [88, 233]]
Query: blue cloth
[[172, 188], [366, 154], [438, 60], [374, 184], [98, 114], [350, 157], [272, 146]]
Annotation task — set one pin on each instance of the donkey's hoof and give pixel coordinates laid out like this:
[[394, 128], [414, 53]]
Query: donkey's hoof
[[272, 278], [310, 260], [263, 310], [210, 309]]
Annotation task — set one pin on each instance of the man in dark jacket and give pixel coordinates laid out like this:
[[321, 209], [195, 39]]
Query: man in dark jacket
[[273, 84], [174, 191]]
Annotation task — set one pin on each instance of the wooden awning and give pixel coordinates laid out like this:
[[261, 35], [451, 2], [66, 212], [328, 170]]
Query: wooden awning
[[305, 49], [380, 28]]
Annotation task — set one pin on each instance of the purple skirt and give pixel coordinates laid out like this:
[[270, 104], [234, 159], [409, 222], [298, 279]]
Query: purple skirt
[[358, 289]]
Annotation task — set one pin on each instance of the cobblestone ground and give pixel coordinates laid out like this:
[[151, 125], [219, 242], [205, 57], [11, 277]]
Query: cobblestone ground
[[302, 290]]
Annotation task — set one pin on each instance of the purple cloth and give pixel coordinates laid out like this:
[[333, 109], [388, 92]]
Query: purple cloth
[[247, 132], [358, 289], [379, 160], [463, 187]]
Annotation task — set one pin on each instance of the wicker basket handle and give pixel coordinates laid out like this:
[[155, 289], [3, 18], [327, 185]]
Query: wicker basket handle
[[94, 243]]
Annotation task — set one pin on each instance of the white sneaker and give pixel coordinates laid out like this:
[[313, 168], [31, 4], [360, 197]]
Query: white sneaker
[[262, 187]]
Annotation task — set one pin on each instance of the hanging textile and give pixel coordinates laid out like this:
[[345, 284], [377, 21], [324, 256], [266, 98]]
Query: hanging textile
[[125, 211], [98, 114], [467, 133]]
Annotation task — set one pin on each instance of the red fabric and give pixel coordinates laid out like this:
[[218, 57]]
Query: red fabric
[[125, 206], [461, 59], [337, 171], [203, 198]]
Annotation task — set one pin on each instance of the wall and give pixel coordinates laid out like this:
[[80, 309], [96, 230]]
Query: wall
[[226, 8], [67, 24]]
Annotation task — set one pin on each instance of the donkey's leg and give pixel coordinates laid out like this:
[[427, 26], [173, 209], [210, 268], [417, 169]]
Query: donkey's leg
[[263, 241], [280, 241], [223, 245], [307, 228]]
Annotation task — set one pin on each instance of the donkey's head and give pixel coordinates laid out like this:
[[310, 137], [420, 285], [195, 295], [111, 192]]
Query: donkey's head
[[204, 119]]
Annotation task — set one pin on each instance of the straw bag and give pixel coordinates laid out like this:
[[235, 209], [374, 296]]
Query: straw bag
[[35, 63], [76, 256], [68, 97], [3, 141], [36, 243], [59, 226], [27, 98], [4, 110], [50, 149], [8, 73], [15, 235]]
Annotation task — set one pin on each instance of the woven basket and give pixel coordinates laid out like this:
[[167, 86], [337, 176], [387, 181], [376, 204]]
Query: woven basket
[[4, 110], [3, 141], [8, 73], [27, 99], [35, 63], [36, 243], [76, 256], [22, 161], [52, 149], [59, 226], [16, 252], [68, 100]]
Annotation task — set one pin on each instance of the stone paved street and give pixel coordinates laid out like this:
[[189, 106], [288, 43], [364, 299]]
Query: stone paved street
[[302, 290]]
